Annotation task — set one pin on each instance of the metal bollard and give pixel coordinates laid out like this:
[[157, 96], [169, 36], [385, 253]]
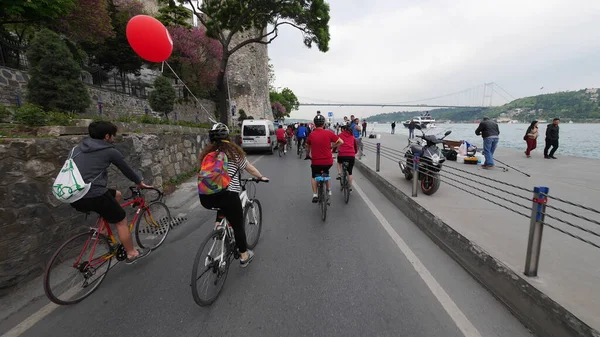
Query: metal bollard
[[377, 158], [534, 244], [415, 174]]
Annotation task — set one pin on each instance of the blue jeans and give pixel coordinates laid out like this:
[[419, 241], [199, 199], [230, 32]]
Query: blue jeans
[[411, 133], [489, 147]]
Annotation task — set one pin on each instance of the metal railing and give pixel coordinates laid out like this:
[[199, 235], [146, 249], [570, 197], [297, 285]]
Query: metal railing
[[508, 196]]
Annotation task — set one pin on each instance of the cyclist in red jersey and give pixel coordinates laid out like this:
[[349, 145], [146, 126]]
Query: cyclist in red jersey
[[318, 145], [280, 133]]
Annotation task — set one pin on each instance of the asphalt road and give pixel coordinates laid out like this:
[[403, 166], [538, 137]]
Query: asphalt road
[[342, 277]]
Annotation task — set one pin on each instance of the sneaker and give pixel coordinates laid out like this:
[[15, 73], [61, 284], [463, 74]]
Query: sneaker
[[141, 254], [329, 193], [339, 177], [553, 157], [315, 200], [246, 262]]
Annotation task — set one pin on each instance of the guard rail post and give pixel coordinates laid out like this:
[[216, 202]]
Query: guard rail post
[[415, 177], [377, 158], [534, 244]]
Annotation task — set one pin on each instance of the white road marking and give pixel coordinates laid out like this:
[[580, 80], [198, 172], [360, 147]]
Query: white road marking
[[37, 316], [459, 318], [50, 307]]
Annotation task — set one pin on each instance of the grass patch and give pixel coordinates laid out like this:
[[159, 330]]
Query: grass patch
[[171, 185]]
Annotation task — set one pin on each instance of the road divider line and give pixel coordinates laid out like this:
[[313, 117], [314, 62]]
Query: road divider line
[[459, 318]]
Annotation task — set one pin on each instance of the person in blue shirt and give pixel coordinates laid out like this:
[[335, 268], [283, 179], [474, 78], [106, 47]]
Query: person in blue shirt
[[301, 135], [357, 132]]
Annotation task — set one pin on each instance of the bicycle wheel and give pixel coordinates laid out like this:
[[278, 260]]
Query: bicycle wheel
[[84, 258], [323, 201], [153, 225], [346, 182], [280, 150], [211, 262], [252, 222]]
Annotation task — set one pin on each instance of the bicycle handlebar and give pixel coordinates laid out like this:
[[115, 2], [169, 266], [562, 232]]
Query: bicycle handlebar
[[256, 180], [136, 191]]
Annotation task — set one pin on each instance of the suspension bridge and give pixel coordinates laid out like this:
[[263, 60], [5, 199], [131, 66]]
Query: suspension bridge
[[481, 96]]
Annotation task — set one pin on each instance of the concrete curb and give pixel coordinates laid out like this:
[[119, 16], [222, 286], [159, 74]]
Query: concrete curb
[[533, 308]]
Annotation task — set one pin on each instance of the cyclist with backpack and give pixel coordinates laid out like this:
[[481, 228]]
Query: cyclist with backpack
[[221, 163], [92, 157]]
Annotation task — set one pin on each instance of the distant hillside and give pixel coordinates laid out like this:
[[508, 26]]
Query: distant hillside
[[579, 106]]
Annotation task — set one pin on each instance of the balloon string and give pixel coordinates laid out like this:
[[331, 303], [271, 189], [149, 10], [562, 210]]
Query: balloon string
[[191, 93]]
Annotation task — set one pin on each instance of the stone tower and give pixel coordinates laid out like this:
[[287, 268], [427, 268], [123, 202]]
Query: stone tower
[[248, 75]]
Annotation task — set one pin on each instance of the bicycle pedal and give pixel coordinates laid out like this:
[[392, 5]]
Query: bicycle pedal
[[120, 254]]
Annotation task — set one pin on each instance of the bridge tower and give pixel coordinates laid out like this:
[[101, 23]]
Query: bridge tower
[[488, 92]]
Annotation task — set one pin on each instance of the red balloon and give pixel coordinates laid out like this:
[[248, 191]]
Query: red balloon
[[149, 38]]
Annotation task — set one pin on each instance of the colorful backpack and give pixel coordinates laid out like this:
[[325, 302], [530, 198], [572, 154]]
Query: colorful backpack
[[213, 177]]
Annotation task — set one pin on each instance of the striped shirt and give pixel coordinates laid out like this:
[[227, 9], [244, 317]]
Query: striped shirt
[[234, 170]]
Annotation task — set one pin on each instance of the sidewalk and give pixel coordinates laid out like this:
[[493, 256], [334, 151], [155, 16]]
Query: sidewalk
[[569, 270]]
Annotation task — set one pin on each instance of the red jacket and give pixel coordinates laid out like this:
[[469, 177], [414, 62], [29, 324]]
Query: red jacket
[[350, 147]]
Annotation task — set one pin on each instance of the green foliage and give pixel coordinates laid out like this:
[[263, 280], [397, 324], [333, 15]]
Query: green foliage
[[126, 118], [30, 115], [145, 119], [59, 118], [55, 77], [37, 11], [225, 18], [5, 112], [163, 96], [271, 76], [115, 52], [287, 98], [172, 14]]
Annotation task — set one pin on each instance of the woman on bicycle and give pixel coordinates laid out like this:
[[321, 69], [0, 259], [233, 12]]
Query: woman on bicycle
[[347, 152], [228, 202]]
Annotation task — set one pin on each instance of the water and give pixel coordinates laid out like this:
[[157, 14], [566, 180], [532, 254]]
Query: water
[[575, 139]]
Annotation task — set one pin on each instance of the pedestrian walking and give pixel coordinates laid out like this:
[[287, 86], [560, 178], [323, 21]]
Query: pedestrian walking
[[489, 131], [364, 128], [411, 129], [551, 138], [530, 138], [393, 127]]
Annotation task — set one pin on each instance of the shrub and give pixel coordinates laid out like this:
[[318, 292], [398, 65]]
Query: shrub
[[126, 119], [55, 77], [150, 120], [5, 112], [30, 115], [60, 118]]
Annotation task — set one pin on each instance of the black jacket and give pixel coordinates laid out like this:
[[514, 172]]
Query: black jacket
[[552, 132], [487, 129]]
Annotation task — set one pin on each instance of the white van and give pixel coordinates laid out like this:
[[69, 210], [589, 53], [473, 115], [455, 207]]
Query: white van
[[258, 135]]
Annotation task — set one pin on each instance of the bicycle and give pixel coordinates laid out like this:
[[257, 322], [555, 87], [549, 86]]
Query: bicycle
[[281, 148], [300, 149], [87, 265], [222, 239], [323, 197], [345, 182], [289, 143]]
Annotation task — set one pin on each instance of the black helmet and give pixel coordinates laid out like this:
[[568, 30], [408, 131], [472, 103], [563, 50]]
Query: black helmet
[[218, 132], [319, 120]]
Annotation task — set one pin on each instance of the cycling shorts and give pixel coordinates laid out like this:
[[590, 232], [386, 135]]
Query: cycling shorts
[[105, 205], [349, 160], [316, 170]]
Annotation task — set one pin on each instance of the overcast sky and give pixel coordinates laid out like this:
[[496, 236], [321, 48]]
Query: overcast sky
[[385, 51]]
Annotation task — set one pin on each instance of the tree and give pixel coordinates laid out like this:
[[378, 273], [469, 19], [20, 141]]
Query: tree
[[196, 59], [171, 14], [55, 77], [225, 18], [33, 12], [287, 99], [279, 112], [271, 76], [163, 96], [88, 21], [115, 52]]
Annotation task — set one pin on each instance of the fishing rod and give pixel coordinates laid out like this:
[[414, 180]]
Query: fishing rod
[[526, 174]]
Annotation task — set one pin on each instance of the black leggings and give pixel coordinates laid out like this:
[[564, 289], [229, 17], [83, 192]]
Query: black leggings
[[231, 208]]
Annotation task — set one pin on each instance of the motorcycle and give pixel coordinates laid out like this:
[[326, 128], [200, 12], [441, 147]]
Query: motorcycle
[[430, 161]]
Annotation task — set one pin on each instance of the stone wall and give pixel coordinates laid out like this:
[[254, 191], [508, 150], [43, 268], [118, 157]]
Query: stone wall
[[248, 73], [13, 84], [34, 223]]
